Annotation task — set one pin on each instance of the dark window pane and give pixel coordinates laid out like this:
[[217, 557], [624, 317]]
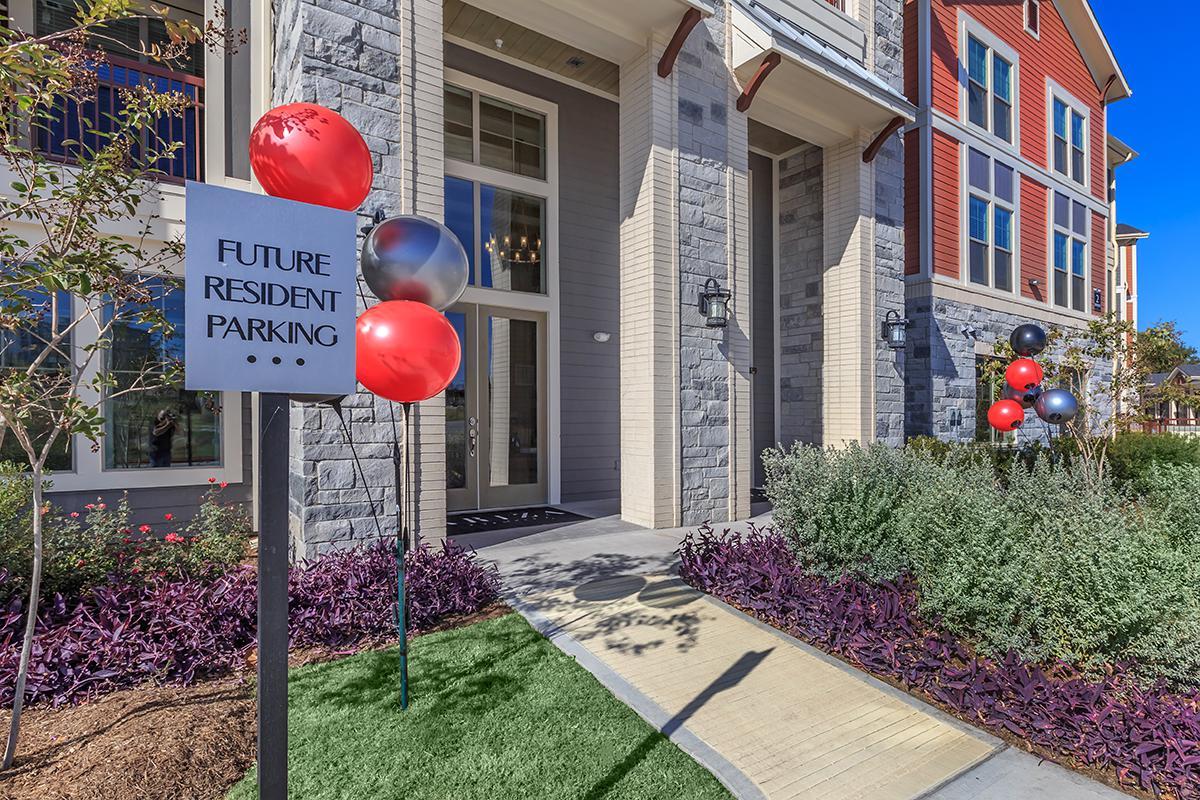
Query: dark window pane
[[979, 265], [1031, 15], [496, 151], [511, 138], [459, 125], [1002, 84], [1077, 167], [1060, 119], [1002, 119], [456, 412], [1004, 182], [1077, 129], [460, 216], [513, 445], [976, 61], [1079, 219], [1077, 292], [1003, 271], [1060, 155], [976, 110], [1062, 210], [1060, 288], [979, 170]]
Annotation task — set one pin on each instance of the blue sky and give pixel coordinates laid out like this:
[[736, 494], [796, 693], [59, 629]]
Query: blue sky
[[1157, 192]]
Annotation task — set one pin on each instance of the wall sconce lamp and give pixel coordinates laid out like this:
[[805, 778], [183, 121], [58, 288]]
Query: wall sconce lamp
[[895, 330], [714, 304]]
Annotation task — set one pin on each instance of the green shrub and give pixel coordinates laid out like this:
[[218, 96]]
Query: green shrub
[[1038, 560], [1131, 455], [83, 550], [838, 505]]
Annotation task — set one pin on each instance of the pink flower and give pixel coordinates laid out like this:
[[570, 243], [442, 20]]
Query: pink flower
[[101, 506], [212, 480], [144, 529], [223, 484], [90, 506], [74, 514], [168, 517], [174, 537], [79, 563], [127, 540]]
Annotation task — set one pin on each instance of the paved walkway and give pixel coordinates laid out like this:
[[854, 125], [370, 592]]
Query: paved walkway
[[770, 716]]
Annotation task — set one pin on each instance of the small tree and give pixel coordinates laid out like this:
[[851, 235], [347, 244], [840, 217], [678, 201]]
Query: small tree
[[77, 247]]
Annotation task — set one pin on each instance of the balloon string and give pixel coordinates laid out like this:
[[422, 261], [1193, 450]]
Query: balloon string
[[363, 475]]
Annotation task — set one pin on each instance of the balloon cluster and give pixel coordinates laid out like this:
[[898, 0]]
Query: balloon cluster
[[406, 350], [1023, 387]]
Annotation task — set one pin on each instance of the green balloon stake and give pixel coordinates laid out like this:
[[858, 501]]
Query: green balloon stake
[[402, 546]]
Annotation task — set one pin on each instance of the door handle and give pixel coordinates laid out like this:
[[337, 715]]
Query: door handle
[[472, 436]]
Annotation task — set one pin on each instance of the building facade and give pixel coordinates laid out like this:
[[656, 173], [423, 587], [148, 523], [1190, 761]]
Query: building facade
[[1008, 215], [611, 167]]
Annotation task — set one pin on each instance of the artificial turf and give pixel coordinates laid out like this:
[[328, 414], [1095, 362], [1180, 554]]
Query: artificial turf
[[497, 712]]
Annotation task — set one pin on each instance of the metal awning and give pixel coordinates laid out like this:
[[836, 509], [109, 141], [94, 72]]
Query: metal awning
[[616, 30], [812, 90]]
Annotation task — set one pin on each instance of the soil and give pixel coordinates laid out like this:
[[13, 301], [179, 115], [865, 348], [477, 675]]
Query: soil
[[154, 742]]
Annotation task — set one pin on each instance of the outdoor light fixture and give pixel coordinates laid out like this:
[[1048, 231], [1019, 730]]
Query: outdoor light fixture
[[601, 336], [714, 304], [895, 330]]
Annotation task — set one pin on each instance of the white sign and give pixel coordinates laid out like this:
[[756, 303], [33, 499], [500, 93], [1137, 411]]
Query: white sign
[[268, 294]]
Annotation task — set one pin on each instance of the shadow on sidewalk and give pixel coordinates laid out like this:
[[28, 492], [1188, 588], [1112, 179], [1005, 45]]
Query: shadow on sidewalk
[[731, 677]]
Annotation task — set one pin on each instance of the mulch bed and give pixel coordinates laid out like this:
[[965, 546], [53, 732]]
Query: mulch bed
[[154, 742]]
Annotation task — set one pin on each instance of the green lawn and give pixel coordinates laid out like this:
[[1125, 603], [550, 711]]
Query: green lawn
[[497, 712]]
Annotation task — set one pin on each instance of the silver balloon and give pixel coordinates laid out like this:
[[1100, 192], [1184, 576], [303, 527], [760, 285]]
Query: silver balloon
[[1057, 406], [414, 258], [1027, 399]]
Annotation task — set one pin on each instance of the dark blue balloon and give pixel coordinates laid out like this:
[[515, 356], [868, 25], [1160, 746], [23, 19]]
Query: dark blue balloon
[[1057, 406]]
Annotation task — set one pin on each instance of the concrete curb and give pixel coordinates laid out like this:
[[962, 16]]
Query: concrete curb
[[730, 776]]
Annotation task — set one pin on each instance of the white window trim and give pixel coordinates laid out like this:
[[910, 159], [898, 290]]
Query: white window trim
[[1036, 34], [968, 26], [1056, 91], [89, 473], [965, 193], [1052, 227], [547, 303]]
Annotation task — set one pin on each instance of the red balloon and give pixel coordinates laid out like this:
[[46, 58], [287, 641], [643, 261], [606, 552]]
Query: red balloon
[[1024, 374], [1006, 415], [306, 152], [406, 351]]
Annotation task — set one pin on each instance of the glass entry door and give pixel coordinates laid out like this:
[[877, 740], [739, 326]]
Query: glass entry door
[[496, 410]]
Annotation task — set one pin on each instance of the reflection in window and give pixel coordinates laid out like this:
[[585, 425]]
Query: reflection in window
[[39, 318], [163, 427], [991, 207], [460, 216], [1069, 255], [456, 412], [511, 228], [459, 124], [513, 401], [988, 388]]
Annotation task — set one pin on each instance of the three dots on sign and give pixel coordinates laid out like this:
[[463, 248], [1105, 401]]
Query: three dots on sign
[[1023, 387], [276, 360]]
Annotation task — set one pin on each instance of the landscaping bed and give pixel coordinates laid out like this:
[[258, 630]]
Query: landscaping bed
[[1057, 611], [497, 712]]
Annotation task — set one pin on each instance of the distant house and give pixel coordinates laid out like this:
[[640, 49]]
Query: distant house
[[1172, 415]]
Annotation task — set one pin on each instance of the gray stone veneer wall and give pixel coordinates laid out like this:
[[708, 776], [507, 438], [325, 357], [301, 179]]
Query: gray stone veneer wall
[[703, 137], [801, 320], [888, 39]]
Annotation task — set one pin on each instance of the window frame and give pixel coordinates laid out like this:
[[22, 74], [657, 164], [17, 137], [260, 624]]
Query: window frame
[[995, 438], [1074, 107], [996, 47], [1071, 235], [1034, 30], [994, 202]]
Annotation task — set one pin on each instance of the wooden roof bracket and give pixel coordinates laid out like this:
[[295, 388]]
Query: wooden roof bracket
[[764, 69], [667, 62], [874, 147], [1107, 87]]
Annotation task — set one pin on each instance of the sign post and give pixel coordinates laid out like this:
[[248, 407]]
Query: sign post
[[269, 307]]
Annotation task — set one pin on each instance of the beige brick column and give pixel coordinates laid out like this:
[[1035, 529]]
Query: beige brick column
[[849, 290], [650, 448]]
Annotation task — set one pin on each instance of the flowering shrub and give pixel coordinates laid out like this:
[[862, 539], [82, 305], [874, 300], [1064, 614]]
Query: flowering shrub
[[1144, 735], [103, 544], [178, 628]]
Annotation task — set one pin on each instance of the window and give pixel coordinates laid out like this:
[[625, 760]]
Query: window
[[989, 383], [163, 427], [1033, 14], [492, 133], [1070, 226], [991, 206], [989, 89], [1069, 141], [509, 252], [40, 318]]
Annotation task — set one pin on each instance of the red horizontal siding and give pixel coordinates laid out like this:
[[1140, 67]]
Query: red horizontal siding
[[912, 203], [1035, 222], [1053, 55], [946, 221], [912, 54]]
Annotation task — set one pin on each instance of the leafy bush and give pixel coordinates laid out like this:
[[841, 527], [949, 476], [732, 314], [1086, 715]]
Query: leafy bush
[[182, 628], [839, 505], [1131, 455], [103, 544], [1141, 735], [1042, 563]]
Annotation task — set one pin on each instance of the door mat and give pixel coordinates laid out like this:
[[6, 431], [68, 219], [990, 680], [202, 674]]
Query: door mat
[[480, 521]]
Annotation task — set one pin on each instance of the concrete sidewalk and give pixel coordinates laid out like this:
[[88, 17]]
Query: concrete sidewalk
[[768, 715]]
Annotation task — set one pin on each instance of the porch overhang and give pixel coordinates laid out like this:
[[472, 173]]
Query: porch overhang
[[617, 30], [815, 91]]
